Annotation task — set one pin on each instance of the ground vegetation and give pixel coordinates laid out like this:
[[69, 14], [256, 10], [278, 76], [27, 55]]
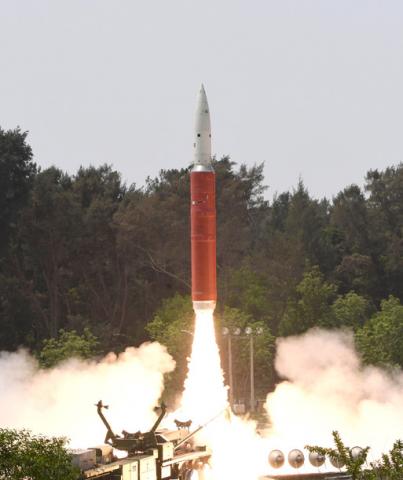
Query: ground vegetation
[[27, 456], [354, 461]]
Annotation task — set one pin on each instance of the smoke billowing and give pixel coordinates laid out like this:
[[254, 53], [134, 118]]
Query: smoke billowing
[[60, 401], [327, 389]]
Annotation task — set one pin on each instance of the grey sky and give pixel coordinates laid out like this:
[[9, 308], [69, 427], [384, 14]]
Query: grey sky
[[313, 88]]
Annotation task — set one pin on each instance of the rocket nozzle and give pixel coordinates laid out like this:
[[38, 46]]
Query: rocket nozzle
[[204, 305]]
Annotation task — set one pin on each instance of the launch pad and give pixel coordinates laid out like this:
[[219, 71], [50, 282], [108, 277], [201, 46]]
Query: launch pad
[[162, 454], [144, 467]]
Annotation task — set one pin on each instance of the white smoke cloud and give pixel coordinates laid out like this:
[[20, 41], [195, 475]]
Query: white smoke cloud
[[328, 389], [60, 401]]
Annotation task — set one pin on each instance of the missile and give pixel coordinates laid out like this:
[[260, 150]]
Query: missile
[[203, 212]]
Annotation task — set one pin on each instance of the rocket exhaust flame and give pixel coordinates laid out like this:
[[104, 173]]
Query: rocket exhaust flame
[[205, 394], [205, 375]]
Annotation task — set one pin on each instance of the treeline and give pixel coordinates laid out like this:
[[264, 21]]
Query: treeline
[[87, 251]]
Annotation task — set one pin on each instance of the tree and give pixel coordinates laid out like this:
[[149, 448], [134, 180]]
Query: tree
[[67, 345], [99, 291], [349, 215], [359, 273], [17, 171], [48, 236], [351, 310], [390, 466], [18, 321], [64, 262], [386, 196], [312, 305], [247, 291], [173, 326], [343, 455], [301, 222], [294, 232], [380, 340], [23, 455], [152, 228], [385, 205], [240, 212]]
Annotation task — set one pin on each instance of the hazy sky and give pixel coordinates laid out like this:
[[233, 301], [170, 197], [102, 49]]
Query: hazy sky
[[314, 88]]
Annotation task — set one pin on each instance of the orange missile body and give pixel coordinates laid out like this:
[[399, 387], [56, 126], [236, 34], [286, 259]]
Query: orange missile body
[[203, 237]]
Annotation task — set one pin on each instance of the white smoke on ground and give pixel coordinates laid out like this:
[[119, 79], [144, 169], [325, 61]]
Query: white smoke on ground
[[61, 401], [327, 389]]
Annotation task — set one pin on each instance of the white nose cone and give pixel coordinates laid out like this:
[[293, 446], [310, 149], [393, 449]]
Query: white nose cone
[[202, 140]]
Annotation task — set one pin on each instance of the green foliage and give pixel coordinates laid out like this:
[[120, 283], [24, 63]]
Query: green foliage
[[351, 310], [357, 273], [63, 260], [16, 175], [67, 345], [312, 305], [248, 293], [349, 215], [23, 455], [380, 340], [344, 456], [385, 204], [173, 326], [390, 467], [17, 320]]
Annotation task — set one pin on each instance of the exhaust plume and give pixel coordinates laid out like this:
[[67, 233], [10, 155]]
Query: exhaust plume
[[328, 388], [205, 394], [60, 401]]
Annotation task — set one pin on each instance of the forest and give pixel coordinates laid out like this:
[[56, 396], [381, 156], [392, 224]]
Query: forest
[[92, 263]]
